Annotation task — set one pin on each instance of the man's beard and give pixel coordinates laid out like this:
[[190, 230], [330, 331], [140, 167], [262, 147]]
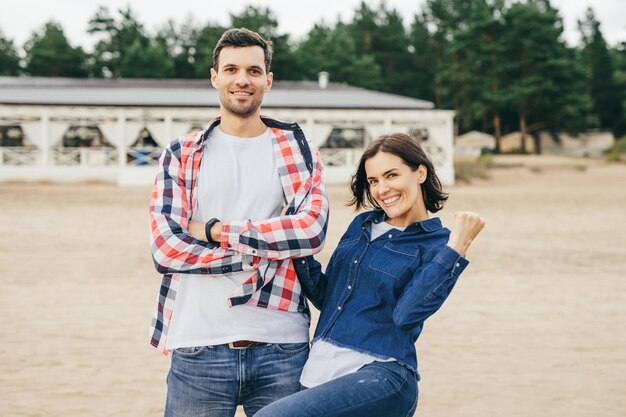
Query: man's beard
[[242, 111]]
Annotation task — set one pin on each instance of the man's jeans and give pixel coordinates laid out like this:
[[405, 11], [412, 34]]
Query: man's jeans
[[377, 389], [210, 381]]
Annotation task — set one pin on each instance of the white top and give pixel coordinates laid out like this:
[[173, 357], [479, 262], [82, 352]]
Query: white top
[[327, 361], [238, 179]]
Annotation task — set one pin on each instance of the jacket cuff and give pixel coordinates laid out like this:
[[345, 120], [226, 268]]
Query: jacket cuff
[[230, 235], [451, 261]]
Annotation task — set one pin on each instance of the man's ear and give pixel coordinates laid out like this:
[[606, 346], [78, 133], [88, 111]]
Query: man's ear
[[213, 77], [270, 80]]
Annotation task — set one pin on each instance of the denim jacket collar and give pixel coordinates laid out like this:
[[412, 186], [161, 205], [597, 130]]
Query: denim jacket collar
[[428, 225]]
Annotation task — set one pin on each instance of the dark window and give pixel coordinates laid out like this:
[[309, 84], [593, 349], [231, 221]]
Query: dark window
[[84, 137], [346, 138], [12, 135], [144, 140]]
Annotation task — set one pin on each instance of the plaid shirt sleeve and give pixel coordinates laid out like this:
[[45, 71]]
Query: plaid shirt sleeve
[[288, 236], [173, 249]]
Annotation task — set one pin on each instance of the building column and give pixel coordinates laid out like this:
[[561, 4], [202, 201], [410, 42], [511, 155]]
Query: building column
[[310, 125], [387, 124], [122, 149], [45, 138], [169, 128]]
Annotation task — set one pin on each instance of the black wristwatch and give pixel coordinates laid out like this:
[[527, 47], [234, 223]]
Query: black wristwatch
[[207, 229]]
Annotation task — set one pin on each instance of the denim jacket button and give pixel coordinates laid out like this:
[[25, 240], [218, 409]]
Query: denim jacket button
[[458, 264], [349, 287], [390, 236], [339, 308], [355, 261]]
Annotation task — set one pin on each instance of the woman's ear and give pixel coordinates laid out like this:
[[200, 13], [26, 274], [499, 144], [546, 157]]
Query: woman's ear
[[421, 174]]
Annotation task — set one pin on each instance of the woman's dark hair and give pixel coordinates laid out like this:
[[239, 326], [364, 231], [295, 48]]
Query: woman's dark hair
[[410, 151], [239, 38]]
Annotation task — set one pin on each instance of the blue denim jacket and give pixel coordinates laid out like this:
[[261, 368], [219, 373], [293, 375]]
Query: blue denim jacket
[[375, 296]]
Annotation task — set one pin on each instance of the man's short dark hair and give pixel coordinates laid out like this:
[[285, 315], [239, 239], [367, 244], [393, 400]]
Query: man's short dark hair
[[240, 38]]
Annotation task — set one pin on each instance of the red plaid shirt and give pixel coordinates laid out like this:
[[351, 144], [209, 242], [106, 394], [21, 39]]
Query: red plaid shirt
[[262, 247]]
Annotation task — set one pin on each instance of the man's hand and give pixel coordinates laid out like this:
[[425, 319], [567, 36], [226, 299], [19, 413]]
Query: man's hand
[[216, 232], [197, 231], [467, 226]]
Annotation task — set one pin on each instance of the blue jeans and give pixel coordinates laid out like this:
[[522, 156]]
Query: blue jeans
[[210, 381], [377, 389]]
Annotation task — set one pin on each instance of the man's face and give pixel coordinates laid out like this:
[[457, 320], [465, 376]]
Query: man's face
[[241, 80]]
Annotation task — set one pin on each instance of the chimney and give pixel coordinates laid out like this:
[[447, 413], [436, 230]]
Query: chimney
[[322, 80]]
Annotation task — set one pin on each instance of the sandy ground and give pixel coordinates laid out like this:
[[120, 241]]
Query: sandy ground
[[535, 327]]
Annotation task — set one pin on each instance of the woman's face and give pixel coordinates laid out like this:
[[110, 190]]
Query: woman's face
[[396, 188]]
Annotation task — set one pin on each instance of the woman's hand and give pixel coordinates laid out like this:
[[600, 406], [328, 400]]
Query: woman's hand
[[467, 226]]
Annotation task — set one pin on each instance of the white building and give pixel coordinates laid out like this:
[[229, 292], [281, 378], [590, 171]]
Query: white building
[[76, 129]]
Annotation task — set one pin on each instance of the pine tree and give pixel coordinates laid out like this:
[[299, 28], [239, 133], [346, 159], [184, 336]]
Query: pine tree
[[601, 85], [49, 54], [9, 59], [332, 49], [544, 83]]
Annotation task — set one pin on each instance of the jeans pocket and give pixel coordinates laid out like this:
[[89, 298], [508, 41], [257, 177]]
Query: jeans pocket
[[291, 348], [189, 352]]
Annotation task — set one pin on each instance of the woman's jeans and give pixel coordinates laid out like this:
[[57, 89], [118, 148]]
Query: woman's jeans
[[379, 389], [210, 381]]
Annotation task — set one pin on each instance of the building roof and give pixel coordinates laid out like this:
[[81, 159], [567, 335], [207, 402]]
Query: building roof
[[191, 93]]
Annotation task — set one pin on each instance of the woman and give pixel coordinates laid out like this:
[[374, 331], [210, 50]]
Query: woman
[[392, 269]]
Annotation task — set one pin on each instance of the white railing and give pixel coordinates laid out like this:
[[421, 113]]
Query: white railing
[[19, 155], [144, 156], [85, 157]]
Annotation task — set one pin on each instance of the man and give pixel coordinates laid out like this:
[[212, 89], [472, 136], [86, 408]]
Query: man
[[231, 206]]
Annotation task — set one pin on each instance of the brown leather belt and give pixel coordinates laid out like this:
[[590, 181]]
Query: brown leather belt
[[244, 344]]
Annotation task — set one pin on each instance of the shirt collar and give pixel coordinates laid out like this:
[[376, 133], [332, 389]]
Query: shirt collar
[[428, 225], [216, 121]]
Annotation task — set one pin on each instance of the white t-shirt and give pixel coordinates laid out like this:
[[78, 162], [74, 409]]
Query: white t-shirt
[[327, 361], [237, 180]]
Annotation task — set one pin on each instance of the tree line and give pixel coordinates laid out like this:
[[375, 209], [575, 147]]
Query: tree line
[[502, 66]]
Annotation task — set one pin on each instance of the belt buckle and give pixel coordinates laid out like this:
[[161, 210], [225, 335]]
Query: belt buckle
[[231, 345]]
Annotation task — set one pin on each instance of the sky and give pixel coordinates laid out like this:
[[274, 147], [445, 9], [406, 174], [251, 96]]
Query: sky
[[19, 18]]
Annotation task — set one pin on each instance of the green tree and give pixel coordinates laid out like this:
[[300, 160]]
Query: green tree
[[465, 52], [151, 61], [487, 27], [332, 49], [619, 58], [125, 50], [381, 34], [205, 40], [49, 54], [605, 93], [263, 21], [179, 44], [9, 59], [543, 81], [447, 21], [424, 57]]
